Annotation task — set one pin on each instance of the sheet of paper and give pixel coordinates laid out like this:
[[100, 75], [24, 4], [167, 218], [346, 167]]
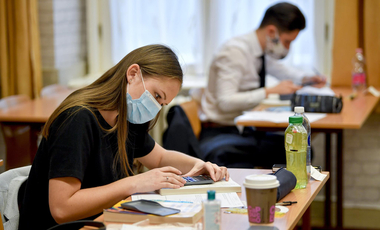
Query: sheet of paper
[[317, 175], [276, 117], [160, 227], [228, 200], [310, 90]]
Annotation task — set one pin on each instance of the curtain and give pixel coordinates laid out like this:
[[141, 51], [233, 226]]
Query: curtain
[[357, 24], [20, 59], [196, 29]]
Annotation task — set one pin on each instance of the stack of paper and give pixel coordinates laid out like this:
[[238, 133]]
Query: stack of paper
[[276, 117]]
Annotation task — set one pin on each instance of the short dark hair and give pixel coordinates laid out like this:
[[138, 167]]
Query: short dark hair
[[285, 16]]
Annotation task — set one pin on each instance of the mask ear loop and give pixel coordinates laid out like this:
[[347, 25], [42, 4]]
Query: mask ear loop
[[142, 79]]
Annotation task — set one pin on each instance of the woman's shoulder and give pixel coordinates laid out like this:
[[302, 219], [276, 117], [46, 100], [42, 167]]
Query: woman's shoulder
[[78, 115], [79, 112]]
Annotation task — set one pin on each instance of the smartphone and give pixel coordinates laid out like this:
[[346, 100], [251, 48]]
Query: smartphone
[[198, 180]]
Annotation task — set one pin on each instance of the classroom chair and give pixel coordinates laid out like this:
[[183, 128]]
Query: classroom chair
[[183, 130], [16, 137], [53, 89], [1, 215], [191, 109], [11, 193]]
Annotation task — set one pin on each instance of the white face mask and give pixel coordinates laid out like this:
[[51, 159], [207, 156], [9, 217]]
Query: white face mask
[[143, 109], [275, 48]]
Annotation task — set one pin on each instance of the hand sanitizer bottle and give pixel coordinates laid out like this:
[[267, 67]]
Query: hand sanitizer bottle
[[211, 209]]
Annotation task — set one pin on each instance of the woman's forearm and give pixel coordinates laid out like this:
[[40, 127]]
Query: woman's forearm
[[83, 203]]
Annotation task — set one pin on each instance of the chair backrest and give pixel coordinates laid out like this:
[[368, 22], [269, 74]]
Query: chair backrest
[[10, 183], [53, 89], [191, 109], [1, 215]]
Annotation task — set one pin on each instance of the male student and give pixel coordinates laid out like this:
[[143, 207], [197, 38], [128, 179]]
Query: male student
[[237, 74]]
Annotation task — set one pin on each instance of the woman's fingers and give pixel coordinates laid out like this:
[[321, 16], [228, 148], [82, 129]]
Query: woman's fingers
[[173, 179], [217, 173], [170, 169]]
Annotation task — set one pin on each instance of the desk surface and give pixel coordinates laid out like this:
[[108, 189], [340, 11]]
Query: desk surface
[[304, 197], [353, 115], [34, 111]]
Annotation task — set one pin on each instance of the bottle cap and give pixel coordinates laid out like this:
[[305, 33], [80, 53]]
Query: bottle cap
[[211, 195], [299, 109], [295, 119]]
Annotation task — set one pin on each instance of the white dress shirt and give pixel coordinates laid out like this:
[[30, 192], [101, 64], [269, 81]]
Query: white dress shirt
[[233, 83]]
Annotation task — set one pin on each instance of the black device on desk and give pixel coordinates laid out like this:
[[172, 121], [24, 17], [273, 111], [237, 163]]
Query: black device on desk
[[198, 180]]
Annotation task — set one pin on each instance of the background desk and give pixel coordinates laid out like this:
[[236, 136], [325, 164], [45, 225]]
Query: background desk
[[33, 113], [304, 197], [353, 115]]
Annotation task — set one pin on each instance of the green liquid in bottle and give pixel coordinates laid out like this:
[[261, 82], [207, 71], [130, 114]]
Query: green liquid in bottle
[[296, 147]]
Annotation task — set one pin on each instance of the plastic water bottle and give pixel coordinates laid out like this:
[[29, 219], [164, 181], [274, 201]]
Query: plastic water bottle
[[295, 147], [211, 208], [358, 72], [300, 111]]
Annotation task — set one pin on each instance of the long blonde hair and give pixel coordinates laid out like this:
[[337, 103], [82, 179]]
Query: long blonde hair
[[109, 92]]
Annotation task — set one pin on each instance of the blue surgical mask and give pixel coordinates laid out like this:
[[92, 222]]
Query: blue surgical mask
[[143, 109]]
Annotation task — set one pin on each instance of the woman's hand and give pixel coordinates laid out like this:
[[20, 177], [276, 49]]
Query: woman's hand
[[165, 177], [216, 173]]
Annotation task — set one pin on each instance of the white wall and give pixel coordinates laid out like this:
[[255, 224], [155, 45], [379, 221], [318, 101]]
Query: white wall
[[63, 40]]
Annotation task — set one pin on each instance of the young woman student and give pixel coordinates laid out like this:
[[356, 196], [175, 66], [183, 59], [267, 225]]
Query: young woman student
[[84, 161]]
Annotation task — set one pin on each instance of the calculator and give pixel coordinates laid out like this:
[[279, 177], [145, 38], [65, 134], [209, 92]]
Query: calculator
[[198, 180]]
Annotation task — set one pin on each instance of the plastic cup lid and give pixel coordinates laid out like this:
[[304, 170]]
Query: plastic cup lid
[[261, 181]]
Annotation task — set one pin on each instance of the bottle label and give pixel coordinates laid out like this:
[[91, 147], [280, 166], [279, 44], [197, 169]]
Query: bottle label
[[358, 78], [289, 138]]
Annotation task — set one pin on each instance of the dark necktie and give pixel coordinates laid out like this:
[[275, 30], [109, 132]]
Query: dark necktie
[[262, 72]]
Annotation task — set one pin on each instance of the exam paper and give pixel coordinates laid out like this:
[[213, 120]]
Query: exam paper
[[276, 117], [228, 200], [316, 174], [310, 90]]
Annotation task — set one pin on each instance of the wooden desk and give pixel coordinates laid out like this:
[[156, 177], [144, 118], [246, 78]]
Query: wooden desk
[[353, 115], [33, 113], [304, 197]]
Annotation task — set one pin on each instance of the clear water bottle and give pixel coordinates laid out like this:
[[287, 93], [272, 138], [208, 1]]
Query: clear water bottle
[[295, 147], [358, 72], [212, 214], [300, 111]]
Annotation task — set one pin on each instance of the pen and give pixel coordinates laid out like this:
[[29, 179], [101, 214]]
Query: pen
[[317, 72], [286, 203]]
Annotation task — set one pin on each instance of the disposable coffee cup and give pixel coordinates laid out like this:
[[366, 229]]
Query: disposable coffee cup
[[261, 193]]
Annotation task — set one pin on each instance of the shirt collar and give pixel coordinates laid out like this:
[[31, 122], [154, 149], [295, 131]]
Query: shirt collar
[[256, 47]]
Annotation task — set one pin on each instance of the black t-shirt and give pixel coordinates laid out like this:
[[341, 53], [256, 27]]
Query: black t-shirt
[[76, 147]]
